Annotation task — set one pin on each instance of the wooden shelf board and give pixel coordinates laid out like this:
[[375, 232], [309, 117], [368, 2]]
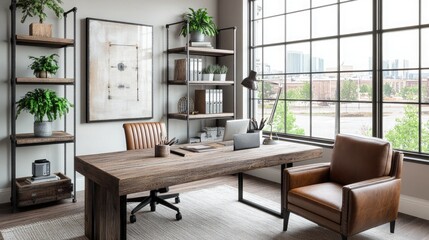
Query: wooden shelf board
[[26, 139], [202, 51], [212, 83], [182, 116], [52, 81], [43, 41]]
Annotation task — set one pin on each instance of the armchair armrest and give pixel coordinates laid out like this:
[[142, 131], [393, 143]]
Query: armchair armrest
[[301, 176], [369, 203]]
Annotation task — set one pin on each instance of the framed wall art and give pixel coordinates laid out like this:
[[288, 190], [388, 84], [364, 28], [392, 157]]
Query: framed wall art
[[119, 70]]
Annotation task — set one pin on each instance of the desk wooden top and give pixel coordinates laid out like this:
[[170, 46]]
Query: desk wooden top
[[138, 170]]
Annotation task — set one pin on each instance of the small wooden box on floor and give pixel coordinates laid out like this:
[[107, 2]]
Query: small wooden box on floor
[[35, 193]]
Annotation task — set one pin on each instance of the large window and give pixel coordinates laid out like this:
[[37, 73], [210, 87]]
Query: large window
[[356, 66]]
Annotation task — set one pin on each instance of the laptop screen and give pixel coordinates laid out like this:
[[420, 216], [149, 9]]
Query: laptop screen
[[233, 127]]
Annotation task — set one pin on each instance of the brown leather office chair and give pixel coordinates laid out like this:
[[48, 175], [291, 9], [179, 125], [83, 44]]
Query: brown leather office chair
[[146, 135], [358, 190]]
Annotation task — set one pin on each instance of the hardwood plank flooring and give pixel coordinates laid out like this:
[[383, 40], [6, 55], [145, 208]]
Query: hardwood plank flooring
[[406, 226]]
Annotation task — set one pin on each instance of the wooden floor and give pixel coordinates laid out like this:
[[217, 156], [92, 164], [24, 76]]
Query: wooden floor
[[406, 226]]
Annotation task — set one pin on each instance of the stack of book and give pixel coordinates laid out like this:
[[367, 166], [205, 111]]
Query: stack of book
[[201, 44], [42, 179], [209, 101]]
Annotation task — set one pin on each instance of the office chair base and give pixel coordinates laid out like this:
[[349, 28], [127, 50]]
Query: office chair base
[[153, 199], [133, 218]]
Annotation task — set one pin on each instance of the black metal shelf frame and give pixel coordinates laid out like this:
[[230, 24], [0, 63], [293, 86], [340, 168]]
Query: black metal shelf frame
[[188, 84], [13, 98]]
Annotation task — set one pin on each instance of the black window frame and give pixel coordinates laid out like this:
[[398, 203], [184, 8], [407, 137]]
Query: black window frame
[[377, 70]]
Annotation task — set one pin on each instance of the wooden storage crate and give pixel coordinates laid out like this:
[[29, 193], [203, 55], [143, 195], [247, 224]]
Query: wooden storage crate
[[35, 193]]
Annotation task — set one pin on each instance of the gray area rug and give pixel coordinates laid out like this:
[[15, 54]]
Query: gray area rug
[[211, 213]]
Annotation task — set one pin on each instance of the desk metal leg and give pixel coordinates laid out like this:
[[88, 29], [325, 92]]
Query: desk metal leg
[[258, 206]]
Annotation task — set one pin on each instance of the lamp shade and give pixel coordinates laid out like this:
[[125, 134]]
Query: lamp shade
[[250, 82]]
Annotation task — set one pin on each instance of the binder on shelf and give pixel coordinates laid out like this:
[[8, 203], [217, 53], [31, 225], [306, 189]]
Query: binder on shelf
[[221, 101], [180, 69], [201, 103], [200, 69], [207, 103]]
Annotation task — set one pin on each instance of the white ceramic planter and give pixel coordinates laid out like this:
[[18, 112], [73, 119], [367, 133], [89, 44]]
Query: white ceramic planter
[[208, 76], [219, 77]]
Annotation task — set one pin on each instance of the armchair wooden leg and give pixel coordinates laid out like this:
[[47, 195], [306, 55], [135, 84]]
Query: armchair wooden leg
[[343, 237], [285, 220], [392, 226]]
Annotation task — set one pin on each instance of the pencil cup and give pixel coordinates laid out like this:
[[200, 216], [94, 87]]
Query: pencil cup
[[162, 150]]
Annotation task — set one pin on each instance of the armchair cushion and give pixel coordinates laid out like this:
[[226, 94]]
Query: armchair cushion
[[355, 159], [323, 199]]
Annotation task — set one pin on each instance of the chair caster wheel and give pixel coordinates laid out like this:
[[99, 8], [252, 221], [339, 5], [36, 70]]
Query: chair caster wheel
[[178, 216], [133, 219], [177, 200], [74, 200]]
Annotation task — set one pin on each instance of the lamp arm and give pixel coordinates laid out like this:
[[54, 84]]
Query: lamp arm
[[273, 110]]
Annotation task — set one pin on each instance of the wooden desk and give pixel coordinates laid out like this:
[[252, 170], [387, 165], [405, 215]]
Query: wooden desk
[[110, 177]]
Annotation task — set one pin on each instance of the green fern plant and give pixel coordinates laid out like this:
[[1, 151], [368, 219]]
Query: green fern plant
[[36, 8], [200, 21], [209, 69], [44, 63], [43, 103], [221, 69]]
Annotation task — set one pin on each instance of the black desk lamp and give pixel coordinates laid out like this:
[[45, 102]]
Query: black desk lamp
[[251, 83]]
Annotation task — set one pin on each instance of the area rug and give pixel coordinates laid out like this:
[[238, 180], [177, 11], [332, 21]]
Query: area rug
[[212, 213]]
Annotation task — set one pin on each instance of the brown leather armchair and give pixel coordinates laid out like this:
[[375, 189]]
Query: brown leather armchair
[[358, 190], [146, 135]]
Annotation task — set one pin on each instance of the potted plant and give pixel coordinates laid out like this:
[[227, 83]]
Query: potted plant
[[46, 107], [200, 25], [220, 73], [208, 73], [43, 66], [36, 8]]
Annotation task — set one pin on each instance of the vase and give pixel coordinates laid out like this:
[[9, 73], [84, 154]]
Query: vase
[[43, 129], [197, 36], [42, 74]]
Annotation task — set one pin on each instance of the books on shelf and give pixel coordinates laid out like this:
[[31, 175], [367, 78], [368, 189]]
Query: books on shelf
[[209, 101], [201, 44], [195, 67], [42, 179]]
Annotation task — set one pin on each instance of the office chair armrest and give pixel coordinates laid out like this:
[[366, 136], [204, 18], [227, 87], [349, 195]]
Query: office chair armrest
[[369, 203], [301, 176]]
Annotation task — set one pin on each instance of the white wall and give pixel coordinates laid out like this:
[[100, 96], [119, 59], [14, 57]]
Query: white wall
[[91, 137]]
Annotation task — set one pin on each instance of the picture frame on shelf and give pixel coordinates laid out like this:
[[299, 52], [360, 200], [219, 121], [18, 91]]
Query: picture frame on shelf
[[119, 70]]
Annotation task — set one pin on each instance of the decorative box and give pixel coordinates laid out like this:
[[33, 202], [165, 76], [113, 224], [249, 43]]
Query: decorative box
[[36, 193]]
